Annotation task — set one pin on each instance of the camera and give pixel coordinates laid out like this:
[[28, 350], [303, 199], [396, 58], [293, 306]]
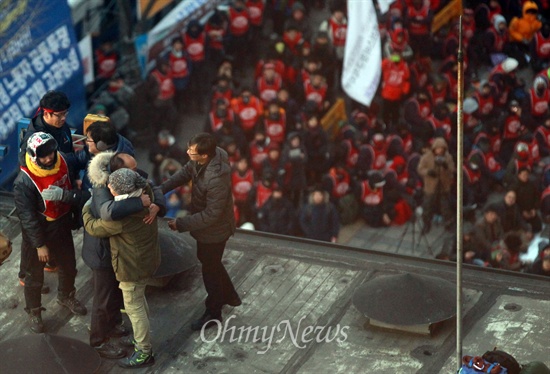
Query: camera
[[439, 160]]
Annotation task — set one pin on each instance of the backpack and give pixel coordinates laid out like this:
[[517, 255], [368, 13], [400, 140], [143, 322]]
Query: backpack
[[476, 365], [504, 359]]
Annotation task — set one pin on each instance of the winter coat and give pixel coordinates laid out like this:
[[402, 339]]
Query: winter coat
[[294, 161], [320, 222], [211, 219], [486, 235], [29, 204], [444, 175], [528, 196], [525, 27], [135, 251], [277, 216]]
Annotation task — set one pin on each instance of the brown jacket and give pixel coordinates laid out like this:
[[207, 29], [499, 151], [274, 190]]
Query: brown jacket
[[444, 173]]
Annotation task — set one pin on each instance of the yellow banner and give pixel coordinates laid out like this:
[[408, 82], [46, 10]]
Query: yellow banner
[[331, 120], [155, 8], [453, 9]]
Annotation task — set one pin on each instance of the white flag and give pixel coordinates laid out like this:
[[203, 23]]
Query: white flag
[[363, 54]]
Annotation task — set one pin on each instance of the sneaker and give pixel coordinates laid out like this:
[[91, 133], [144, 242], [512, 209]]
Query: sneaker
[[207, 321], [73, 305], [108, 350], [119, 331], [45, 289], [127, 341], [138, 359]]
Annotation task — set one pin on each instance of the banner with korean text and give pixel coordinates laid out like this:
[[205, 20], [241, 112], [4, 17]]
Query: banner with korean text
[[363, 55], [38, 52]]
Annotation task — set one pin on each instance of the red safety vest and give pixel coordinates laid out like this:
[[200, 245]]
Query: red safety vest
[[276, 129], [166, 85], [539, 105], [316, 94], [53, 209], [268, 90], [341, 188], [542, 46], [380, 158], [263, 193], [106, 64], [545, 132], [256, 12], [178, 66], [498, 39], [338, 32], [239, 21], [492, 164], [257, 156], [370, 196], [248, 113], [216, 122], [352, 154], [417, 25], [195, 47], [472, 175], [217, 41], [242, 185], [512, 127], [486, 104]]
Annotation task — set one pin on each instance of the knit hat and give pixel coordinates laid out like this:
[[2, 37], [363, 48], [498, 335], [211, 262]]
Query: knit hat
[[470, 105], [125, 181]]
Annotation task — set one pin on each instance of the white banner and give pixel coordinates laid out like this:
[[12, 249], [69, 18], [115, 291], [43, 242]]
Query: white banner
[[363, 53], [87, 58], [384, 5]]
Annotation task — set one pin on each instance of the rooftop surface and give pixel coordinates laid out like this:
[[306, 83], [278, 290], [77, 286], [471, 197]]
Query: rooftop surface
[[297, 303]]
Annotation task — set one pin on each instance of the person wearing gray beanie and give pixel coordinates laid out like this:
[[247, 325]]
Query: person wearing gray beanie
[[126, 182]]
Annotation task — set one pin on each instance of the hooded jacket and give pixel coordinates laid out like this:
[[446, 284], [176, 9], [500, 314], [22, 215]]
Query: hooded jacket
[[444, 172], [525, 27], [320, 222], [211, 219]]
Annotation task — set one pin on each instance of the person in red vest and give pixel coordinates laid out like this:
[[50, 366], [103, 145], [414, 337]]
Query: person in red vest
[[256, 10], [540, 48], [315, 90], [180, 68], [258, 149], [248, 110], [238, 35], [520, 159], [395, 87], [43, 193], [275, 123], [542, 136], [269, 83], [262, 191], [539, 98], [194, 39], [106, 62], [220, 112], [418, 21], [486, 101], [215, 33], [512, 131], [222, 89], [376, 209], [242, 183], [336, 27], [337, 182], [503, 78], [161, 91]]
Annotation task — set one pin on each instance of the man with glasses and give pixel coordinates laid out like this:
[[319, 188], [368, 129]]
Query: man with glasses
[[50, 118]]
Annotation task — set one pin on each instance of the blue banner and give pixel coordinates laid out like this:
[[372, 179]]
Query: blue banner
[[38, 52]]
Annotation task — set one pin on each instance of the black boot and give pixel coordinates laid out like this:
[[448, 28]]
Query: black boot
[[35, 320], [208, 319]]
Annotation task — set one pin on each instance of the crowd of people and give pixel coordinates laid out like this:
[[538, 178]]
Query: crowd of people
[[266, 159], [266, 104]]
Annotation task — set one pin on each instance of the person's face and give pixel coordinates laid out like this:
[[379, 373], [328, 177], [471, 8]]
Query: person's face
[[56, 119], [491, 217], [338, 15], [439, 151], [317, 197], [274, 154], [546, 265], [523, 176], [295, 142], [129, 161], [510, 198], [277, 194], [47, 160], [282, 95], [92, 147], [242, 165], [177, 47], [298, 15], [269, 73], [313, 122], [194, 156]]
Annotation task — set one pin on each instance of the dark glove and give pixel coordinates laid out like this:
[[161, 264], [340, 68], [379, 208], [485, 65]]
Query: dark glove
[[432, 173]]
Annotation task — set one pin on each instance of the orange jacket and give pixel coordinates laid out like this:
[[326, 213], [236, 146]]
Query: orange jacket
[[523, 29], [395, 79]]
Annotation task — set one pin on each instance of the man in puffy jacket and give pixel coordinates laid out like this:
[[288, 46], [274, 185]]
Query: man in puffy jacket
[[211, 221], [44, 193]]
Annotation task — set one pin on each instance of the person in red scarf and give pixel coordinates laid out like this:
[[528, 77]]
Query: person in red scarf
[[43, 193]]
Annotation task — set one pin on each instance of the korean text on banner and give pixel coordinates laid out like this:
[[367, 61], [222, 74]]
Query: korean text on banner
[[38, 52], [363, 55]]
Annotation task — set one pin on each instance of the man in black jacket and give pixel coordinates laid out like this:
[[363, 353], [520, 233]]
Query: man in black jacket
[[211, 221], [43, 195]]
